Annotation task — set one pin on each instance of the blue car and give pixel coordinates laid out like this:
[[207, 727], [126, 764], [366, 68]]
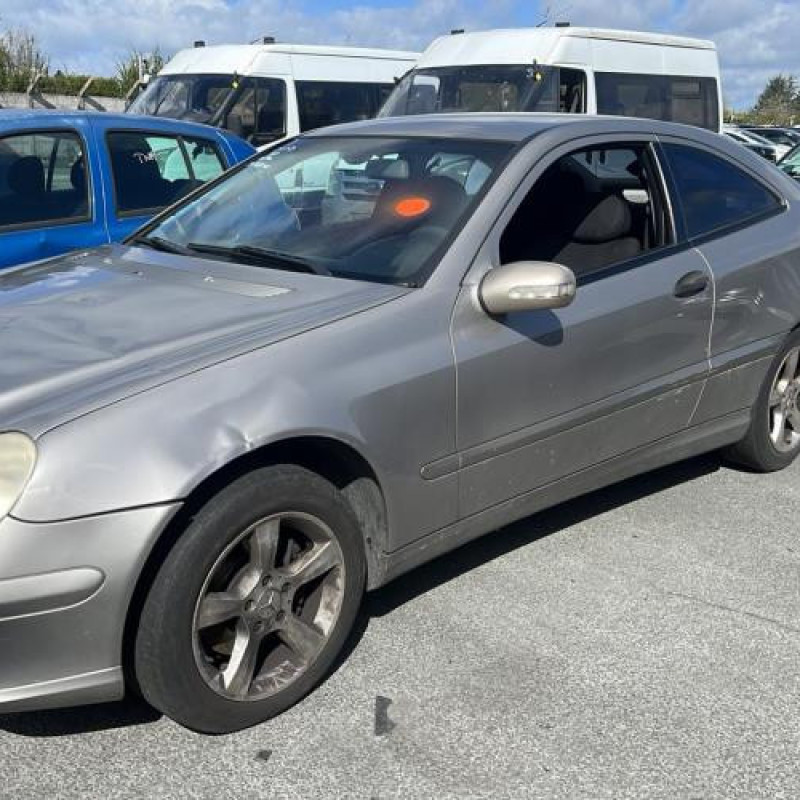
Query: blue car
[[78, 179]]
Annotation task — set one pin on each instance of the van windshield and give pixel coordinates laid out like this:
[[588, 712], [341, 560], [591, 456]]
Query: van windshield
[[253, 107], [505, 87], [193, 97]]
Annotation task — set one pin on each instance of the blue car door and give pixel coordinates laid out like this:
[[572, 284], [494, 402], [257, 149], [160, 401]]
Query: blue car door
[[152, 169], [51, 199]]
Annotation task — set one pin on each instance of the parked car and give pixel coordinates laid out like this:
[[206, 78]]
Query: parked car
[[219, 433], [80, 179], [565, 69], [272, 90], [752, 141], [784, 139], [790, 163]]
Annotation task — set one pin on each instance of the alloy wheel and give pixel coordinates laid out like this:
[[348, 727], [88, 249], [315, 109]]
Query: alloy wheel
[[784, 404], [268, 606]]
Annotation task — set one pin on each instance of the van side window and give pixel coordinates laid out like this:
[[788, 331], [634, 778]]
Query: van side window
[[690, 100], [713, 192], [323, 103], [43, 179], [258, 113], [589, 210]]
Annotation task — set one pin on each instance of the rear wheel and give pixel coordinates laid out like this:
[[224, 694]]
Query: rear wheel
[[254, 602], [773, 440]]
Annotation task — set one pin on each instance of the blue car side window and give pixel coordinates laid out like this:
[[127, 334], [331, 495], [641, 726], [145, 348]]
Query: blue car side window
[[43, 180]]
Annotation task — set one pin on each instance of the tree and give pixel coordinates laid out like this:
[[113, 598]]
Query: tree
[[136, 64], [21, 59], [779, 99]]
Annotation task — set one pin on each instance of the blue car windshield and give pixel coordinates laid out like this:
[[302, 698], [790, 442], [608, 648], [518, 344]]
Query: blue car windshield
[[369, 208]]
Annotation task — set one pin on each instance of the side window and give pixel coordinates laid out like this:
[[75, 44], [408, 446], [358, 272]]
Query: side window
[[692, 101], [713, 192], [323, 103], [258, 113], [205, 162], [589, 210], [151, 171], [43, 179]]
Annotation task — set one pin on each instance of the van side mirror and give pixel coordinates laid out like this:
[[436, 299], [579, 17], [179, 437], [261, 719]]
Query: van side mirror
[[527, 286]]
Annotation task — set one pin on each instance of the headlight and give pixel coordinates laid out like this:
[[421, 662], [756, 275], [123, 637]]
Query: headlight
[[17, 459]]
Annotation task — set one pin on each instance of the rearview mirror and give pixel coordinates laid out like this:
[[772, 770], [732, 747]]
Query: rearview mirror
[[527, 286]]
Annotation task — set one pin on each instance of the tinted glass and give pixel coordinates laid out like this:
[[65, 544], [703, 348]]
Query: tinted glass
[[507, 87], [589, 210], [42, 179], [323, 103], [715, 193], [151, 171], [691, 101], [373, 209]]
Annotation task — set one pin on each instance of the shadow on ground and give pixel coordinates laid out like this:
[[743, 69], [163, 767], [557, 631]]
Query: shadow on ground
[[133, 711]]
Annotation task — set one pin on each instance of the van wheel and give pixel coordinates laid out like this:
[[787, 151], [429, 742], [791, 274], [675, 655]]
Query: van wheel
[[773, 440], [254, 602]]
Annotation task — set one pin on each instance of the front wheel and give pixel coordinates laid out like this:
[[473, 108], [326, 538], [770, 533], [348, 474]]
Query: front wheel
[[773, 439], [254, 602]]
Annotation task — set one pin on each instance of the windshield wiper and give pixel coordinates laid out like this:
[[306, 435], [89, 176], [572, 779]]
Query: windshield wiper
[[160, 243], [260, 256]]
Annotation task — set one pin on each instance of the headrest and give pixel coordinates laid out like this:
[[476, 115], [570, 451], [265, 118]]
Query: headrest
[[610, 219], [26, 176]]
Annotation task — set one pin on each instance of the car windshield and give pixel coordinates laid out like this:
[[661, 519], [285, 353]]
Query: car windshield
[[194, 97], [507, 87], [368, 208]]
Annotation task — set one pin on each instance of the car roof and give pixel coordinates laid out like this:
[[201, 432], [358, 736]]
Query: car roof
[[35, 117], [508, 126]]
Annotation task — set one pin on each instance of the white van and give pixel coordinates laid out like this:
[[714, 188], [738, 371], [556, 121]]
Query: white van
[[269, 91], [566, 69]]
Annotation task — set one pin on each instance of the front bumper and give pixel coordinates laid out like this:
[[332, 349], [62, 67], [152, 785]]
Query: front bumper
[[65, 590]]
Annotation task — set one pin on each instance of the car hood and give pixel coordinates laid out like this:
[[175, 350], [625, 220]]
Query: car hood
[[85, 330]]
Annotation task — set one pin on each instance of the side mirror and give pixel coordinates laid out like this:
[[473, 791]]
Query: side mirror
[[527, 286]]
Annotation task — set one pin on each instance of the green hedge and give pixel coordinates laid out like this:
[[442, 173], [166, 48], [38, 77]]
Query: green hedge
[[66, 84]]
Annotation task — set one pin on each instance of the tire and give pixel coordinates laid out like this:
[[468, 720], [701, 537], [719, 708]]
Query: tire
[[220, 602], [765, 448]]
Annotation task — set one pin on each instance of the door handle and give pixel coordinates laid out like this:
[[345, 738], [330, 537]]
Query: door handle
[[690, 284]]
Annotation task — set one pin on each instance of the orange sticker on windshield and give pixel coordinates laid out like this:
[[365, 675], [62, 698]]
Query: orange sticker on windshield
[[411, 206]]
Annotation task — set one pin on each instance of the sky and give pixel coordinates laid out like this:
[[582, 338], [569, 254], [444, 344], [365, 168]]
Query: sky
[[756, 38]]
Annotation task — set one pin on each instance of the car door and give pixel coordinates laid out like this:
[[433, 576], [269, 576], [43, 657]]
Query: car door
[[49, 199], [544, 395], [150, 170]]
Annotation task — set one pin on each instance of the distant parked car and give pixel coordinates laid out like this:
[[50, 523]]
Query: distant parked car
[[752, 141], [784, 139], [71, 180], [790, 163]]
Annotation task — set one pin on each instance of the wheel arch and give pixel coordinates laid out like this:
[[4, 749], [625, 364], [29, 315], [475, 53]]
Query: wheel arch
[[336, 461]]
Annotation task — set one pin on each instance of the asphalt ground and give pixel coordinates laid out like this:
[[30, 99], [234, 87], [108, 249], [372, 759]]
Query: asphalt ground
[[641, 642]]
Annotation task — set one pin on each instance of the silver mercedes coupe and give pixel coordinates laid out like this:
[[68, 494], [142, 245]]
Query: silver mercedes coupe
[[348, 356]]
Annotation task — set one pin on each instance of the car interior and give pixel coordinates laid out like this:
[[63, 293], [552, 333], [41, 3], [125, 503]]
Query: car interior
[[138, 182], [589, 210], [29, 194]]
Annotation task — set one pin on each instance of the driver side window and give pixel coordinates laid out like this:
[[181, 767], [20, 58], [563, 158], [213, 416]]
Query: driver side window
[[590, 210]]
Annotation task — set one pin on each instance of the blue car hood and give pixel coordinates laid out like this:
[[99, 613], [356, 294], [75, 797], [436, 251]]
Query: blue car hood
[[85, 330]]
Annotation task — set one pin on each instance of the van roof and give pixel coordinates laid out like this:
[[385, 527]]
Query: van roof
[[230, 58], [521, 45]]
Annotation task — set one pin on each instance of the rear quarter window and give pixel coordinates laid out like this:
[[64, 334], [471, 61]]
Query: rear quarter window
[[714, 193]]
